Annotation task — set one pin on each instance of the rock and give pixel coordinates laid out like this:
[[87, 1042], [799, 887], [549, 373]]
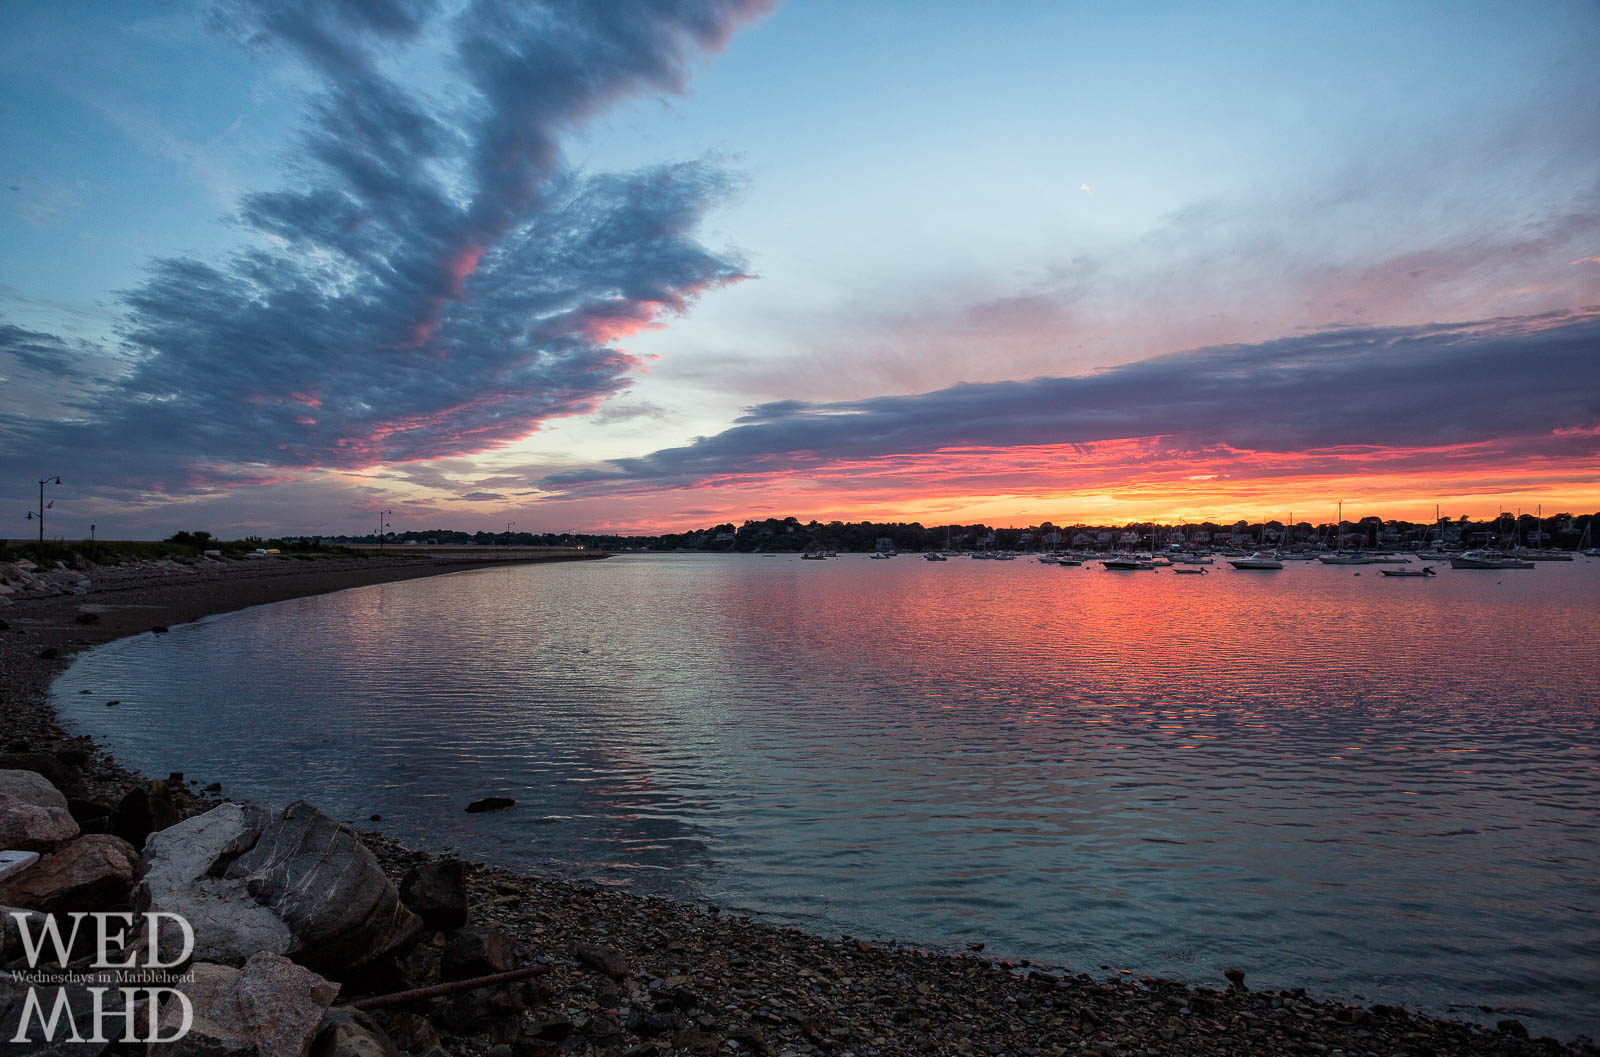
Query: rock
[[318, 878], [17, 1038], [351, 1033], [1511, 1027], [437, 891], [423, 966], [412, 1033], [87, 618], [271, 1008], [66, 777], [607, 960], [160, 629], [10, 938], [143, 810], [85, 811], [181, 875], [490, 803], [476, 952], [92, 873], [33, 814], [472, 1012], [1235, 977], [50, 653]]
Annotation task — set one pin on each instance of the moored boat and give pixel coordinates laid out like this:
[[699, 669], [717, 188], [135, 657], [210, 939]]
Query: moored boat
[[1487, 560], [1259, 560]]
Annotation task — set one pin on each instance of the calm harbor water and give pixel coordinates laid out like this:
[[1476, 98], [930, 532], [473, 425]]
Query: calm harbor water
[[1363, 785]]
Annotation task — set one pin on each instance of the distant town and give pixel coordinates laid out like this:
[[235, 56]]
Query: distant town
[[790, 535]]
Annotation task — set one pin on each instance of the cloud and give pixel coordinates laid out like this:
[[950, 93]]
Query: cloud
[[477, 497], [436, 281], [1439, 387]]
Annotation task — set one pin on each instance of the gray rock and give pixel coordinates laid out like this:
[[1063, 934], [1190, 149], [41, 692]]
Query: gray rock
[[196, 847], [10, 939], [437, 891], [476, 952], [80, 1006], [318, 878], [350, 1033], [33, 814], [412, 1033], [271, 1008], [603, 959], [31, 787], [92, 873], [67, 779]]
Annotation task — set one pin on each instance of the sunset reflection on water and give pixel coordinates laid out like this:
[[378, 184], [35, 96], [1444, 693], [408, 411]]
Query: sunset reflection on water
[[1350, 783]]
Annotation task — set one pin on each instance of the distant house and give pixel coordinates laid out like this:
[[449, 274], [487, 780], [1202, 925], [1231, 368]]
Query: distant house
[[1051, 540], [1081, 540], [1102, 538]]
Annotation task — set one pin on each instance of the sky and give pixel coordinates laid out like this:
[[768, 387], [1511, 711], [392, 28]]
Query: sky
[[272, 268]]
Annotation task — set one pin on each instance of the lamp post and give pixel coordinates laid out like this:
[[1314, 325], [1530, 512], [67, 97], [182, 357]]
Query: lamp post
[[42, 507], [91, 533], [382, 524], [509, 525]]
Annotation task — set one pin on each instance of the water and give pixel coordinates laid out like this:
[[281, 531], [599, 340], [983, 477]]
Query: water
[[1367, 786]]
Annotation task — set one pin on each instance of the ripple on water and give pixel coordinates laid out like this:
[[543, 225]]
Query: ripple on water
[[1363, 785]]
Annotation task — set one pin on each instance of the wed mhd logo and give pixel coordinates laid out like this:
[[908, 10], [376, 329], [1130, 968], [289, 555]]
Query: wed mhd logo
[[120, 980]]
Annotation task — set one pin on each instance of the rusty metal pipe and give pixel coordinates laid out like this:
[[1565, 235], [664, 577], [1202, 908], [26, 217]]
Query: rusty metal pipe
[[422, 994]]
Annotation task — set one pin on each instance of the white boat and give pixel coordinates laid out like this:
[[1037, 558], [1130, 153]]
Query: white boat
[[1067, 561], [817, 557], [1389, 559], [935, 556], [1258, 560], [1487, 560], [880, 556], [1126, 563], [1344, 559]]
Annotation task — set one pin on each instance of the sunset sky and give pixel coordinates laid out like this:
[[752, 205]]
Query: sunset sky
[[270, 268]]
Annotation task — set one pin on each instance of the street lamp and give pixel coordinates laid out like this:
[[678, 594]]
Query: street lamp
[[382, 524], [509, 525], [43, 506], [91, 533]]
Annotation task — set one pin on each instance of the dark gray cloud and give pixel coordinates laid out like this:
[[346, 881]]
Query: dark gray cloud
[[1402, 387], [435, 281]]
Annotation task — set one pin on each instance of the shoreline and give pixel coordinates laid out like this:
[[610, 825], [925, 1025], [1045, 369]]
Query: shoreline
[[755, 986]]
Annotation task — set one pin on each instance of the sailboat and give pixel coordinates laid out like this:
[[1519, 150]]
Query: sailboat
[[1339, 557]]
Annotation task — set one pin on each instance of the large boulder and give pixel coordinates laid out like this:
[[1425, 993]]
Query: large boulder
[[293, 882], [33, 813], [269, 1008], [92, 873]]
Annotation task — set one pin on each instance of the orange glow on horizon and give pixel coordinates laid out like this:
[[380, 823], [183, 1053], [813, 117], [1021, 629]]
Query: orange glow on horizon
[[1118, 482]]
